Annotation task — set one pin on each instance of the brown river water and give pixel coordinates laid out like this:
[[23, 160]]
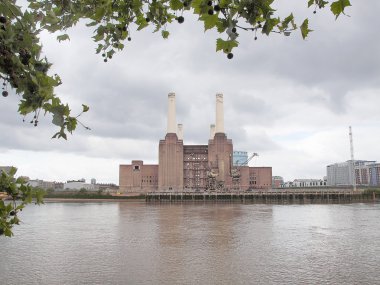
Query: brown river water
[[193, 243]]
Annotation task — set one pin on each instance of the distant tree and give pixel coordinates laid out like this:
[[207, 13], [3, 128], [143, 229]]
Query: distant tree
[[50, 191], [114, 21], [82, 191], [21, 194]]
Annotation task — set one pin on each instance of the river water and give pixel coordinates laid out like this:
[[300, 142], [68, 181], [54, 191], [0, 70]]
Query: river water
[[138, 243]]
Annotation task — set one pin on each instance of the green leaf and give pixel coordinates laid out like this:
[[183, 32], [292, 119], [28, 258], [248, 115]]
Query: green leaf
[[165, 34], [12, 171], [63, 37], [199, 6], [311, 2], [15, 9], [51, 18], [337, 7], [221, 25], [85, 108], [224, 3], [269, 25], [8, 232], [226, 46], [99, 14], [141, 22], [322, 3], [209, 21], [35, 5], [305, 28], [71, 124], [287, 20], [93, 23], [39, 194], [176, 5], [57, 119]]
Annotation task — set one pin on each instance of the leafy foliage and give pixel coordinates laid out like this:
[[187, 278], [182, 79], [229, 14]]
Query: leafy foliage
[[113, 21], [16, 189]]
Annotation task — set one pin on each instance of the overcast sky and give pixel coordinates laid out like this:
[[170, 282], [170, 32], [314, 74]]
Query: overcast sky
[[287, 99]]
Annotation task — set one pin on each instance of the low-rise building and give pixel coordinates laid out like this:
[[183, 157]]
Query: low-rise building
[[41, 184], [51, 185], [79, 184], [277, 181], [305, 183], [309, 183]]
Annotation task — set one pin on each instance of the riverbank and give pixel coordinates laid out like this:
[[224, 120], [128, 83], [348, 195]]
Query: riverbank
[[89, 200], [289, 196], [90, 197], [268, 197]]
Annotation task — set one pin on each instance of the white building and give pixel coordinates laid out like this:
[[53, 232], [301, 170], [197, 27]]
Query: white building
[[305, 183], [78, 185], [309, 183], [341, 174]]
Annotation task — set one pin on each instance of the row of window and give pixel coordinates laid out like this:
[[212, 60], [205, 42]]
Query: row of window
[[195, 158]]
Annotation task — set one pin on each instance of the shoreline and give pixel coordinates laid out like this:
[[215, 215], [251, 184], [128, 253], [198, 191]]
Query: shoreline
[[80, 200]]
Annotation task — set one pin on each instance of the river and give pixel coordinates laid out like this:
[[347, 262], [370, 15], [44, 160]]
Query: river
[[193, 243]]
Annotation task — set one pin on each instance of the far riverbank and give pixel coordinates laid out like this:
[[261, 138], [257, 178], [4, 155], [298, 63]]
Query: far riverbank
[[91, 200], [290, 196]]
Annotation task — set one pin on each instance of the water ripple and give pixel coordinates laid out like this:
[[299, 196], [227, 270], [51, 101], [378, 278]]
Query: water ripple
[[135, 243]]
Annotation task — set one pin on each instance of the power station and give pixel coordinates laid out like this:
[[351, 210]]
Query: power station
[[183, 167]]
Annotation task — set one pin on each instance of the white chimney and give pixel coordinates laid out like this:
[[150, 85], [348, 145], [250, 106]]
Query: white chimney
[[212, 131], [180, 131], [172, 126], [219, 128]]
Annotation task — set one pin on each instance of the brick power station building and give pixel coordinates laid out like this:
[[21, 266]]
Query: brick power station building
[[193, 167]]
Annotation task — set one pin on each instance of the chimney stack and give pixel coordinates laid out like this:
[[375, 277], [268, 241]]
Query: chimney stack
[[219, 128], [212, 131], [172, 126], [180, 131]]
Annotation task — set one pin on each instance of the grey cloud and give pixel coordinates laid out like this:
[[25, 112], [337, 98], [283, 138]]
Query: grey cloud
[[263, 84]]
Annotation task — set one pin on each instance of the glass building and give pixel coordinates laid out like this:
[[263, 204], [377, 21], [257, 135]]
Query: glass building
[[240, 158]]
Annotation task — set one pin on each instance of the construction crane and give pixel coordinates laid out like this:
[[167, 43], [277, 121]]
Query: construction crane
[[353, 174], [235, 172]]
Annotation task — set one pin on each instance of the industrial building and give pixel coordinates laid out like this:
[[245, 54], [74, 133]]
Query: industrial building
[[367, 173], [183, 167]]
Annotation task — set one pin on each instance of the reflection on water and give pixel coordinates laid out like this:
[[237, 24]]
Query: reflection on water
[[135, 243]]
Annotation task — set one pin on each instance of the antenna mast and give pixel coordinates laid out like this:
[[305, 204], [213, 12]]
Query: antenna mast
[[352, 159]]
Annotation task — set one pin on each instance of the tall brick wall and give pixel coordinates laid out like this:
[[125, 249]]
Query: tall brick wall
[[170, 161], [138, 178]]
